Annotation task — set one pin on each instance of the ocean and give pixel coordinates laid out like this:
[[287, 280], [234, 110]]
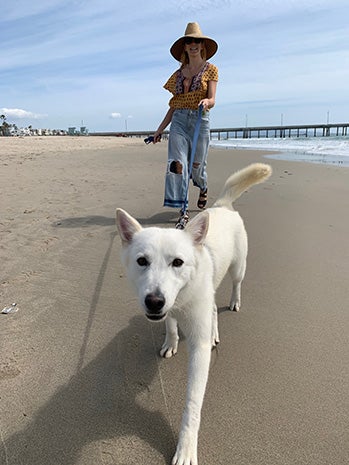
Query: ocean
[[332, 150]]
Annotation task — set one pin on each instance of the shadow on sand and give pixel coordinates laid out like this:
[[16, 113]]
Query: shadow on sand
[[165, 219], [98, 403]]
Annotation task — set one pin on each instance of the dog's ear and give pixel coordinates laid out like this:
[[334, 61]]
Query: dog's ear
[[198, 228], [127, 225]]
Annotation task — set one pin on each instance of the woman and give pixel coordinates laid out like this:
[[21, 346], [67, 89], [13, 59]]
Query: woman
[[192, 85]]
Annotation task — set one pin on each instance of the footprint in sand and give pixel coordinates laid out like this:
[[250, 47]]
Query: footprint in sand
[[9, 368], [48, 242], [23, 276]]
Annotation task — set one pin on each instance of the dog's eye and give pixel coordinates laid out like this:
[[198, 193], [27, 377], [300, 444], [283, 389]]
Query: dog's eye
[[177, 262], [142, 261]]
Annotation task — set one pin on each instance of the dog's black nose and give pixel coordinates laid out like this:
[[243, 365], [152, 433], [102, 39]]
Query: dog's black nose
[[155, 302]]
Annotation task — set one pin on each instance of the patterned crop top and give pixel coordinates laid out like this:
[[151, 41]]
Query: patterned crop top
[[197, 91]]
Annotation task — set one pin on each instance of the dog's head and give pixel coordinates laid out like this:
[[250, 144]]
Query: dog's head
[[160, 262]]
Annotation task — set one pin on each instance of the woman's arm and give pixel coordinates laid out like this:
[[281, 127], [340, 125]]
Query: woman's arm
[[164, 123], [210, 100]]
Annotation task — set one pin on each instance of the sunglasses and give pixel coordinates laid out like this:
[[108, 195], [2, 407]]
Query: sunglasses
[[189, 40]]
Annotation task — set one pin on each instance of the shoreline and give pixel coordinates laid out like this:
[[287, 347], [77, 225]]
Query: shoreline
[[315, 150], [317, 159]]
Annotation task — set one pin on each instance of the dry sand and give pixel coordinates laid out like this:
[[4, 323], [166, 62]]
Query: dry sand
[[80, 381]]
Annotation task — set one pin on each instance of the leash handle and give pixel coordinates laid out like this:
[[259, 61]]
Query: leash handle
[[150, 139], [192, 154]]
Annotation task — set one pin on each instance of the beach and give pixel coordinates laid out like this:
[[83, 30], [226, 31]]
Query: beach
[[81, 382]]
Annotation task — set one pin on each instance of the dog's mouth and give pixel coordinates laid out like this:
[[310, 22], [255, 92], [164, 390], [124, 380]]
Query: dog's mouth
[[155, 317]]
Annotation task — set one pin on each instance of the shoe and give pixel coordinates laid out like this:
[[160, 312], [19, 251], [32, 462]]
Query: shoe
[[182, 220], [202, 201]]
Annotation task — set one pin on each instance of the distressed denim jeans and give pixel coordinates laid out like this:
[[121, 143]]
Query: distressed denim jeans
[[179, 153]]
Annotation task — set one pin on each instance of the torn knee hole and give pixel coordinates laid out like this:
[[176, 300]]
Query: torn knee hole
[[196, 165], [176, 167]]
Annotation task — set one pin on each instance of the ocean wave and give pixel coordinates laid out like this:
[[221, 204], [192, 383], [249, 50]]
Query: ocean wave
[[336, 146]]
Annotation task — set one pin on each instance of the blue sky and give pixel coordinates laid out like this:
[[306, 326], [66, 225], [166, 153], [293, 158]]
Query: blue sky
[[105, 62]]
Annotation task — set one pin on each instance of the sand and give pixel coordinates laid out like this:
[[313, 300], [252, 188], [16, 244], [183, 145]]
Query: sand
[[80, 379]]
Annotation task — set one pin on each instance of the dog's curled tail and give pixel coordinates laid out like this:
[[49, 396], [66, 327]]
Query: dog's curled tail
[[240, 181]]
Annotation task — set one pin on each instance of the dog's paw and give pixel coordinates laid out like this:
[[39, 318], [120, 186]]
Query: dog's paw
[[235, 305], [169, 348], [168, 352], [186, 453], [235, 301], [215, 338], [235, 308]]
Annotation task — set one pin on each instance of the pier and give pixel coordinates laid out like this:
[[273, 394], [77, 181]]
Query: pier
[[308, 130], [315, 130]]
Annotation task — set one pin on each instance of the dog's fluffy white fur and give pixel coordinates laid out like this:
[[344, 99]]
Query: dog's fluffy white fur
[[176, 274]]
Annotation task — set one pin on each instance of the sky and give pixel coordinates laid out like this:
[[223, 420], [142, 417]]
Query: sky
[[102, 64]]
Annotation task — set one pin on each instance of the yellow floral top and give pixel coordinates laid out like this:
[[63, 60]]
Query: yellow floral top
[[197, 91]]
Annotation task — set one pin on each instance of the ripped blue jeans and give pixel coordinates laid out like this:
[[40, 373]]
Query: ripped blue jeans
[[179, 153]]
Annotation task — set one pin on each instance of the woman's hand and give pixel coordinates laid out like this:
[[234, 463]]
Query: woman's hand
[[205, 104], [157, 137]]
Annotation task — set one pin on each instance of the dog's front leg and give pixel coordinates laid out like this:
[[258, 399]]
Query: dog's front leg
[[199, 361]]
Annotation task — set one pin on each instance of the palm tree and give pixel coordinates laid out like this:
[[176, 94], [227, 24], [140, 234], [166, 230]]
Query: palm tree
[[3, 117], [4, 125]]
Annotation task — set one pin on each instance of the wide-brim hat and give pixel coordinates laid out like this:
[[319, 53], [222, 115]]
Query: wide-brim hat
[[193, 30]]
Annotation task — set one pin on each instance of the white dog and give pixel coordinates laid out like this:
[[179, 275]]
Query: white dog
[[176, 273]]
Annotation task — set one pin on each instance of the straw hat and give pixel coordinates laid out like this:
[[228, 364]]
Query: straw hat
[[193, 30]]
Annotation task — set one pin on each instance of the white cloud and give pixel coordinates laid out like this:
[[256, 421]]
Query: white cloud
[[17, 113], [115, 115]]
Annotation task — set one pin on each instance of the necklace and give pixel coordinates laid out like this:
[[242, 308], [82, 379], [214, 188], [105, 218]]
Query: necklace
[[190, 77]]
